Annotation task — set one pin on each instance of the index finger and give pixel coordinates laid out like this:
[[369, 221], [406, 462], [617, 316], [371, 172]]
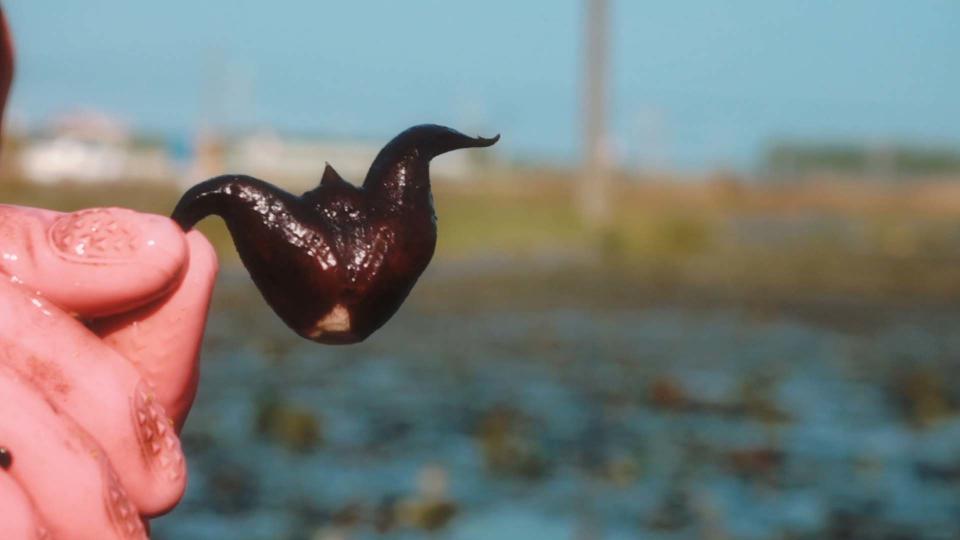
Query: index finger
[[100, 390], [163, 338]]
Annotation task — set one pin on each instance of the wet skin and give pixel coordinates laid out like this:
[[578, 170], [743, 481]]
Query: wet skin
[[338, 261]]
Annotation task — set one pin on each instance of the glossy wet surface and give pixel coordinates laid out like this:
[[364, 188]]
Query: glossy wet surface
[[533, 420], [337, 262]]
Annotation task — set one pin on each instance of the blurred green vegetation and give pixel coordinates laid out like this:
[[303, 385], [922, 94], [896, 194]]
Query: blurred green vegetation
[[721, 238], [852, 159]]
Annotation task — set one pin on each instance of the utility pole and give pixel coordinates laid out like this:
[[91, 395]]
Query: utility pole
[[593, 189]]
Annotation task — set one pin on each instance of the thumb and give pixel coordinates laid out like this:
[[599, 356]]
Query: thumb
[[92, 262]]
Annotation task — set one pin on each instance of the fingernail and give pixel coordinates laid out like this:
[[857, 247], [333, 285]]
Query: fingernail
[[159, 443], [98, 234]]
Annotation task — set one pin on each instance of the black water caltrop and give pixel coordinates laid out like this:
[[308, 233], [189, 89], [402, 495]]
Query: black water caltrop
[[338, 261]]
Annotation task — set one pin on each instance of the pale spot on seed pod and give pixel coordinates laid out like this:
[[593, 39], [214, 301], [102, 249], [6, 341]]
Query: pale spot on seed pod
[[337, 320]]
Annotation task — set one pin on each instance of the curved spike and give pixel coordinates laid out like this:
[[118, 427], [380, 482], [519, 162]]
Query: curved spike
[[431, 140], [410, 152], [222, 196]]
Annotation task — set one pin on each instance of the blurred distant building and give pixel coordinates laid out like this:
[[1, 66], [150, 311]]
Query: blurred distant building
[[89, 146], [209, 158], [298, 162]]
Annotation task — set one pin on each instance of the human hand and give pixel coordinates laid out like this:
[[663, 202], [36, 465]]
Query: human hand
[[101, 317]]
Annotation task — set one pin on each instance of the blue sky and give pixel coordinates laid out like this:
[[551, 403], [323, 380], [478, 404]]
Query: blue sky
[[695, 85]]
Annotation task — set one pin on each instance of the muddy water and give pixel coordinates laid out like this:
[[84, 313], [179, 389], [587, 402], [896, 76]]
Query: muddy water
[[474, 420]]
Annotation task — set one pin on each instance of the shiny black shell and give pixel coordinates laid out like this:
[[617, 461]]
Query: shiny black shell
[[337, 262]]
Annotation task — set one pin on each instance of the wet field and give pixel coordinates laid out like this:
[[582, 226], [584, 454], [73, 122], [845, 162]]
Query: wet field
[[528, 408], [731, 361]]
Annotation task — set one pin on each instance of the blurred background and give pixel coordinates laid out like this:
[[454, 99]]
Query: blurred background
[[706, 286]]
